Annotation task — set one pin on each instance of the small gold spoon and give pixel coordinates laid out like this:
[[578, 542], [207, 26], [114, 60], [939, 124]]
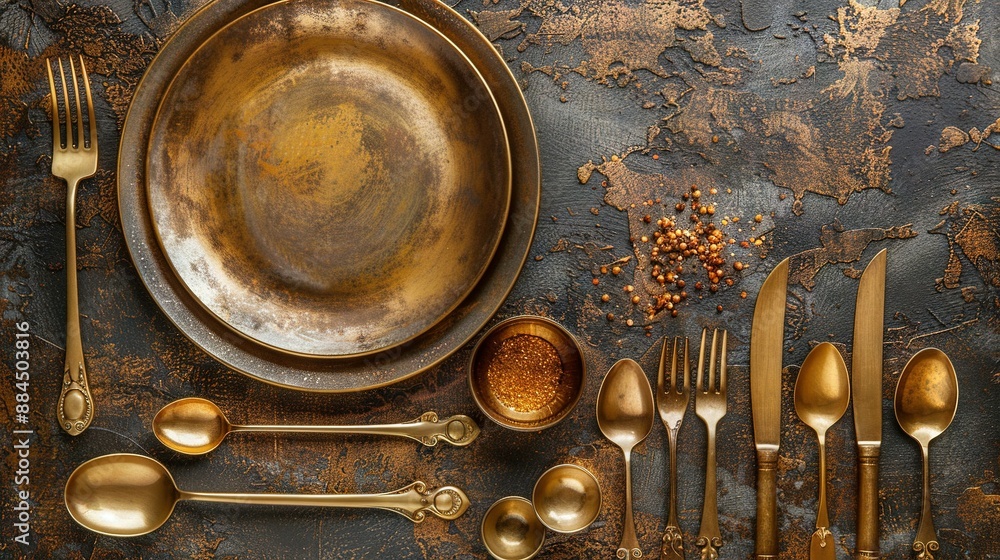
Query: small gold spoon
[[822, 393], [625, 416], [126, 495], [195, 426], [925, 403]]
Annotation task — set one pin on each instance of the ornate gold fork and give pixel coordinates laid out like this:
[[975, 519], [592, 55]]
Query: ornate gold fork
[[710, 406], [73, 159], [672, 403]]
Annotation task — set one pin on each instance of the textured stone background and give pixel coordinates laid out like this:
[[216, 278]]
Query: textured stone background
[[849, 126]]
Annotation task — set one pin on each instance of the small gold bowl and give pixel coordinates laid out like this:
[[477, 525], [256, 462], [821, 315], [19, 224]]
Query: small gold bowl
[[526, 400], [511, 530], [567, 498]]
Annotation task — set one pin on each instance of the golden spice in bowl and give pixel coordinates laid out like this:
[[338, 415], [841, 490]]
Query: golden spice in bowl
[[527, 373]]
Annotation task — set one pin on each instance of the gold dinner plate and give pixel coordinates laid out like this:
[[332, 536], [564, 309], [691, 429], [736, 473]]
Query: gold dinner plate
[[312, 373], [328, 177]]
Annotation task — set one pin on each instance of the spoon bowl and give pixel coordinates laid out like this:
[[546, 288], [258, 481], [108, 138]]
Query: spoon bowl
[[625, 405], [121, 495], [192, 426], [926, 395], [823, 388], [625, 416]]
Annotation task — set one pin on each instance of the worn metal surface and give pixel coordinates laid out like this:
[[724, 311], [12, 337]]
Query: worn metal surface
[[308, 208], [849, 128], [395, 363]]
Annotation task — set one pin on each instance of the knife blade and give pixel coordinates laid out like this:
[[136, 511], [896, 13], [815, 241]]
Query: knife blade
[[866, 383], [766, 335]]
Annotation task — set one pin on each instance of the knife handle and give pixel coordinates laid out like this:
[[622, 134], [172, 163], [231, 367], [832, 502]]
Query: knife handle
[[767, 504], [868, 546]]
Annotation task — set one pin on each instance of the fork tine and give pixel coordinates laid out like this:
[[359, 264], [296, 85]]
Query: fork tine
[[673, 367], [663, 366], [79, 112], [90, 106], [722, 364], [701, 362], [711, 362], [56, 134], [687, 367], [69, 122]]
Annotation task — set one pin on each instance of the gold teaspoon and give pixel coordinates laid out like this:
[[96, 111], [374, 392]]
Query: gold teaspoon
[[925, 403], [195, 426], [625, 416], [822, 393]]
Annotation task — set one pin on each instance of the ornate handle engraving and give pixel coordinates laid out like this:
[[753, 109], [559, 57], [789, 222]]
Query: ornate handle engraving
[[75, 409], [709, 547], [673, 543], [416, 501], [821, 534], [457, 430], [926, 551]]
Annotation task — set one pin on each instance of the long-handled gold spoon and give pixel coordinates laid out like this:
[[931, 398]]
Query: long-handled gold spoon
[[625, 416], [195, 426], [925, 403], [822, 392], [126, 495]]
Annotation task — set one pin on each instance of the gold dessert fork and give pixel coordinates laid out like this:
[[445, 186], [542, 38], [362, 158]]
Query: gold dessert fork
[[672, 403], [710, 406], [73, 159]]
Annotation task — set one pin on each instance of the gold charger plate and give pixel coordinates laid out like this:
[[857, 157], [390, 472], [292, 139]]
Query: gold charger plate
[[320, 374], [328, 177]]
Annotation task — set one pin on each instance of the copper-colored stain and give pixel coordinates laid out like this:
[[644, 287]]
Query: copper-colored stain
[[310, 166], [981, 513], [953, 137], [971, 231], [17, 81], [838, 245]]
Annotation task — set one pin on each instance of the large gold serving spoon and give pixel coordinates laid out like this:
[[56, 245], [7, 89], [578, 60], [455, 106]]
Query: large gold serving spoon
[[195, 426], [126, 495], [925, 403], [822, 393], [625, 416]]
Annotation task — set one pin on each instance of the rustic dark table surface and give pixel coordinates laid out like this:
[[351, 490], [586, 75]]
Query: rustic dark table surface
[[848, 126]]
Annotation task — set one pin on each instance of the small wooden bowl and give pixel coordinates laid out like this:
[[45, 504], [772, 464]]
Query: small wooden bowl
[[511, 530], [568, 390], [567, 498]]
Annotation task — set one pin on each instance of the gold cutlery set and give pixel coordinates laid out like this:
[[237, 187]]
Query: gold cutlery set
[[625, 407], [925, 403], [201, 257]]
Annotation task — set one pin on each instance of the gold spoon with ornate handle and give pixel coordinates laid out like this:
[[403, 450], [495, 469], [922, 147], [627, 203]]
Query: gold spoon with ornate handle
[[625, 416], [126, 495], [822, 393], [195, 426], [926, 401]]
